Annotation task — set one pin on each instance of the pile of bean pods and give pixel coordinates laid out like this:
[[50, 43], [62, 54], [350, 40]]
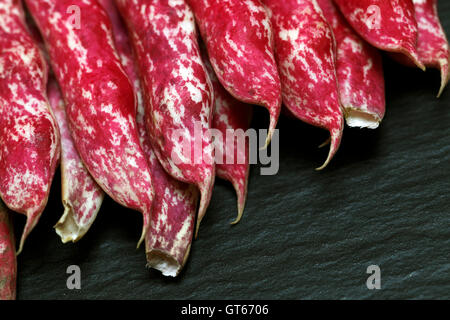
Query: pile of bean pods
[[114, 93]]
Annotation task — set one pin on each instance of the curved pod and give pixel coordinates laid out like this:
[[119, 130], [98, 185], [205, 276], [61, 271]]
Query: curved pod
[[387, 25], [306, 60], [169, 237], [178, 95], [100, 101], [29, 137], [359, 70], [81, 195], [238, 37]]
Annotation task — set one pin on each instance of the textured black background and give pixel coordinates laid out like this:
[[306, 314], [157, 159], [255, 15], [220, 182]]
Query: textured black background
[[305, 234]]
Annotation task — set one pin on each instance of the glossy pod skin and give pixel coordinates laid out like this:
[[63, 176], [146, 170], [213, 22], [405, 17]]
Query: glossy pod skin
[[8, 263], [29, 137], [387, 25], [306, 60], [169, 237], [81, 195], [178, 95], [239, 40], [100, 101], [359, 70], [231, 115]]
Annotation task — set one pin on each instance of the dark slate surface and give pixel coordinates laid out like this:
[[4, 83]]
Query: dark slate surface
[[305, 234]]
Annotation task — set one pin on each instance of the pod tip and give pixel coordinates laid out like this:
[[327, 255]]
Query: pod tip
[[205, 197], [241, 199], [335, 137], [272, 127], [445, 77]]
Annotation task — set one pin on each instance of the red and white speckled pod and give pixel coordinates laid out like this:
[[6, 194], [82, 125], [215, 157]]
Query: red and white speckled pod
[[359, 70], [29, 137], [177, 91], [231, 115], [306, 60], [122, 44], [239, 40], [100, 101], [8, 263], [81, 195], [169, 237], [432, 42], [387, 25]]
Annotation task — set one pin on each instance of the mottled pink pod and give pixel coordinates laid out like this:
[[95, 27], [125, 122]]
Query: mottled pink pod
[[81, 195], [387, 25], [432, 42], [8, 263], [172, 224], [360, 74], [29, 137], [100, 101], [123, 45], [177, 91], [169, 239], [306, 60], [239, 40], [231, 116]]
